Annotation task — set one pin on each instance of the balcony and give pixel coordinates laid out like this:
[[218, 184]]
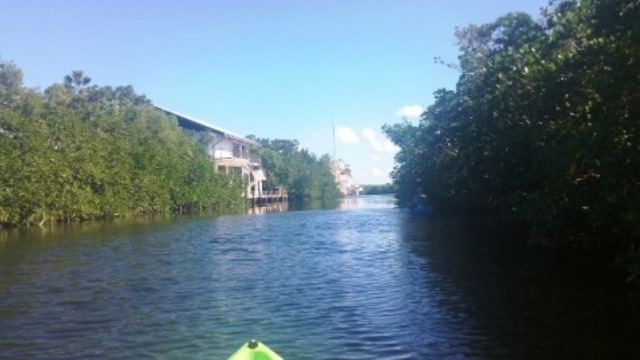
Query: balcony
[[236, 153]]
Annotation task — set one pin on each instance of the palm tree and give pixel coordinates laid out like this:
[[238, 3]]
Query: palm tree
[[76, 81]]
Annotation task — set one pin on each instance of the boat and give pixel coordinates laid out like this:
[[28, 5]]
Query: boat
[[255, 350]]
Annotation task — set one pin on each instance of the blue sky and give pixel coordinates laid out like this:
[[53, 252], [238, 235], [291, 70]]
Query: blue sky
[[275, 69]]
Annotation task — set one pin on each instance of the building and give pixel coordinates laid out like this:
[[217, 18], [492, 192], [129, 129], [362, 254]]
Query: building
[[229, 153], [343, 178]]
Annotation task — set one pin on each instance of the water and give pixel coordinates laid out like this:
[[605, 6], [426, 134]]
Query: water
[[363, 280]]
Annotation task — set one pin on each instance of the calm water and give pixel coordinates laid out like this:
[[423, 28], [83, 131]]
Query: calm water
[[364, 280]]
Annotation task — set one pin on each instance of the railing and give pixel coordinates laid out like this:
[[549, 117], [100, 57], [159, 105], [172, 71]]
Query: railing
[[238, 153], [223, 153], [277, 195], [255, 158], [228, 153], [273, 193]]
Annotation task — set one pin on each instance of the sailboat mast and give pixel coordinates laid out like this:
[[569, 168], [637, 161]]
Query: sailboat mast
[[334, 141]]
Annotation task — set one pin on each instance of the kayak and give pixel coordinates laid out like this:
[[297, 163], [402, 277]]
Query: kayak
[[255, 350]]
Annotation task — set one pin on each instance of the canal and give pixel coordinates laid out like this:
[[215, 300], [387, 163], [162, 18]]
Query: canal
[[359, 280]]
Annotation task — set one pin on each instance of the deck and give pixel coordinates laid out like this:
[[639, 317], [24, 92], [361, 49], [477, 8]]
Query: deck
[[265, 197]]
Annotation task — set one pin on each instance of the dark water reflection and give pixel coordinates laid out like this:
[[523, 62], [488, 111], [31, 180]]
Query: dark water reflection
[[359, 280], [528, 302]]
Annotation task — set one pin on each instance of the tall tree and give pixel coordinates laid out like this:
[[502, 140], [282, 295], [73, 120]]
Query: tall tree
[[77, 81], [542, 123], [303, 174], [97, 153], [10, 83]]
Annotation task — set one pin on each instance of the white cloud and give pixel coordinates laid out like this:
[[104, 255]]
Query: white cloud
[[379, 143], [375, 157], [377, 172], [346, 135], [411, 111]]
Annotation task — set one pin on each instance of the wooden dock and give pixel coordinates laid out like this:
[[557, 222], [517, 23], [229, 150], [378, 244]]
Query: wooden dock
[[265, 197]]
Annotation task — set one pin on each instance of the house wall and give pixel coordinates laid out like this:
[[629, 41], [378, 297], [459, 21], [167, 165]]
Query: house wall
[[227, 148], [229, 153], [222, 149]]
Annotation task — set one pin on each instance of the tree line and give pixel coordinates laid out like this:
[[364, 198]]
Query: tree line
[[79, 151], [542, 125], [379, 189], [304, 175]]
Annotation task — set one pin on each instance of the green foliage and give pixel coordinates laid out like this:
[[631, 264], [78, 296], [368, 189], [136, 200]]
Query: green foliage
[[82, 152], [378, 189], [10, 83], [543, 123], [303, 174]]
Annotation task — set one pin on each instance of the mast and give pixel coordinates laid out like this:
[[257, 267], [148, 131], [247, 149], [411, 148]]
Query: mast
[[334, 142]]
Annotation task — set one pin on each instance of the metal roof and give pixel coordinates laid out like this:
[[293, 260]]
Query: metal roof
[[200, 125]]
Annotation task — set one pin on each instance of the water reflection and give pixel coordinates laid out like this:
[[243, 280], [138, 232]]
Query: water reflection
[[259, 209], [358, 279], [523, 302], [367, 202]]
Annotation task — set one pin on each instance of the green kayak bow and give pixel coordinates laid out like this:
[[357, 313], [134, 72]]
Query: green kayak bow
[[255, 350]]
